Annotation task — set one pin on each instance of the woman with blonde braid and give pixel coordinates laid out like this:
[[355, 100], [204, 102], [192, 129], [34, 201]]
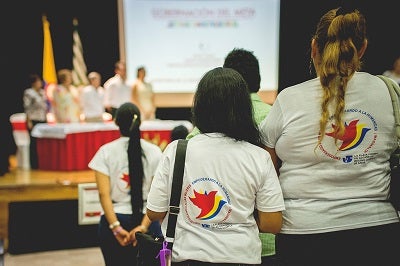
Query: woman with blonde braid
[[332, 149]]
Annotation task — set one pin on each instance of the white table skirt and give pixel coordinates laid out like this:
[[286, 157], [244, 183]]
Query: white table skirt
[[60, 130]]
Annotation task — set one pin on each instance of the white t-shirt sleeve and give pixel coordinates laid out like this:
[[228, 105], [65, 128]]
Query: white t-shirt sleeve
[[271, 127], [99, 162], [153, 158], [270, 198], [158, 197]]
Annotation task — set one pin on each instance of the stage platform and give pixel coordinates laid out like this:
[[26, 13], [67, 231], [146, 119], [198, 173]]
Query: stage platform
[[36, 205]]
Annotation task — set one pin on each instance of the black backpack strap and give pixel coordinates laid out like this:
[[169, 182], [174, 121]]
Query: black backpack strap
[[176, 190]]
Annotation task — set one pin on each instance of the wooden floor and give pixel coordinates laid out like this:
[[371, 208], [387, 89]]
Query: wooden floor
[[18, 177], [36, 185]]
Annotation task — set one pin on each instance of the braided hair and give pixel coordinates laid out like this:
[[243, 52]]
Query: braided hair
[[340, 35]]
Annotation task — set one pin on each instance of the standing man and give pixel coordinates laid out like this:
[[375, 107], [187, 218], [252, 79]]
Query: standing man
[[92, 98], [117, 91]]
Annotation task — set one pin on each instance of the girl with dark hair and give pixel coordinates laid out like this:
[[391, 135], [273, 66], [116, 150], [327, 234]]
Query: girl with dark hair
[[227, 175], [332, 137], [124, 169], [223, 106]]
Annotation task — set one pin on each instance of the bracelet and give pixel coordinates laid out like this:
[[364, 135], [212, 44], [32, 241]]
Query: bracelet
[[114, 224], [119, 229]]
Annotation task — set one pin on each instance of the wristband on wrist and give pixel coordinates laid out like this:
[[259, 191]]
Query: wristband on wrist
[[114, 225], [119, 229]]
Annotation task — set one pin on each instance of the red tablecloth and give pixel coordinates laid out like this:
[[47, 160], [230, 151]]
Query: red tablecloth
[[71, 146], [74, 152]]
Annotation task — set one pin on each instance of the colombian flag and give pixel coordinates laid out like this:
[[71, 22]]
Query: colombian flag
[[49, 68]]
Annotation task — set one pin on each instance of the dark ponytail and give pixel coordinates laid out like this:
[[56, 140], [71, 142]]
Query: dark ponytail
[[128, 120], [135, 167]]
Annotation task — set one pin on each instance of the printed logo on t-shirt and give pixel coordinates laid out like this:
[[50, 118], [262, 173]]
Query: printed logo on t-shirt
[[120, 191], [207, 203], [353, 147], [123, 183], [126, 181]]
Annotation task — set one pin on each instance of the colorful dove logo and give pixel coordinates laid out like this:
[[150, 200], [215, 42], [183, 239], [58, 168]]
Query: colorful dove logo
[[353, 135], [209, 203]]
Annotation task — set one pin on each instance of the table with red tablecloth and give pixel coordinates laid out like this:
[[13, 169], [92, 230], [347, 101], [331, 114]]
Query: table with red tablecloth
[[70, 146]]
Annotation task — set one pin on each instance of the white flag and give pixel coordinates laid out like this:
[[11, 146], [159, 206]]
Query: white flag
[[79, 70]]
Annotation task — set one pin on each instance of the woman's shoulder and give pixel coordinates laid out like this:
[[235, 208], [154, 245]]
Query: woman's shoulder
[[364, 78], [254, 149], [298, 89], [147, 145], [119, 143]]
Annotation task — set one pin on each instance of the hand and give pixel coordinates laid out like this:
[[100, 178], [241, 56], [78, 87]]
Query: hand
[[139, 228], [122, 236]]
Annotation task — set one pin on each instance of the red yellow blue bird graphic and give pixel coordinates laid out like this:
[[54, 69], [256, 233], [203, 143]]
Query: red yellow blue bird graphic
[[210, 204], [354, 134]]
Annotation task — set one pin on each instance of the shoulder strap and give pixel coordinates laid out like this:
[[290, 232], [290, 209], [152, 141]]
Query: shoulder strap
[[176, 190], [394, 91]]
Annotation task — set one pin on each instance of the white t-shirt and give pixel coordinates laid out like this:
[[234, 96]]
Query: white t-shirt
[[333, 187], [224, 180], [112, 159], [92, 101]]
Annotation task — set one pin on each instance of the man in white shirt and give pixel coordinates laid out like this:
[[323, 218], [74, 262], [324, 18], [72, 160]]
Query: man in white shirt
[[92, 99], [117, 90]]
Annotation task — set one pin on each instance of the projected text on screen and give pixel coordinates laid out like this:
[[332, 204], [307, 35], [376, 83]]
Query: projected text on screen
[[178, 41]]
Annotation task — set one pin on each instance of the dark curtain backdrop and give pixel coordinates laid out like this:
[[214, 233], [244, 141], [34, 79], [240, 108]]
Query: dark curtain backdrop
[[298, 22], [22, 39]]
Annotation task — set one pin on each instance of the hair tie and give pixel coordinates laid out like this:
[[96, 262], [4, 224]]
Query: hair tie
[[133, 122]]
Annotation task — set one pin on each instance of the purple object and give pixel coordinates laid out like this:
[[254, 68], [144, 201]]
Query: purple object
[[165, 255]]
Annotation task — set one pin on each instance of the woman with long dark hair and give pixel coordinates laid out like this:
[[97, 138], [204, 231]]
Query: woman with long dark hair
[[228, 177], [124, 169]]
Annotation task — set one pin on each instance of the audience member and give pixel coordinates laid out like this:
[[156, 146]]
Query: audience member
[[331, 138], [117, 91], [394, 73], [227, 176], [124, 169], [179, 132], [247, 65], [143, 95], [66, 102], [92, 97], [35, 108]]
